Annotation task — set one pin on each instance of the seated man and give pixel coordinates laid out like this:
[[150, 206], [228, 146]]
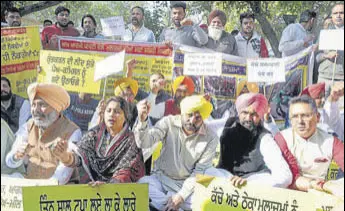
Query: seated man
[[188, 149], [248, 151], [313, 148], [36, 140]]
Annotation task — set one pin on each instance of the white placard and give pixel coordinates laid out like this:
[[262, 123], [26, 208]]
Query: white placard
[[111, 65], [11, 191], [113, 26], [332, 40], [266, 70], [209, 64]]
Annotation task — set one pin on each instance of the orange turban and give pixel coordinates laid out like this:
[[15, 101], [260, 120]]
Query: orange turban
[[257, 101], [252, 87], [54, 95], [314, 90], [184, 80]]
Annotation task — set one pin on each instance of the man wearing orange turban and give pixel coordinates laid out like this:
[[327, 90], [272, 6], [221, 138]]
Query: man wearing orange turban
[[37, 138], [248, 150]]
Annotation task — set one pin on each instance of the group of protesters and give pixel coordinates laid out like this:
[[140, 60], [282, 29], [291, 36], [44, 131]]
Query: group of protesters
[[73, 138]]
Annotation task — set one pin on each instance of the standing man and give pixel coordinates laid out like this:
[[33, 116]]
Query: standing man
[[13, 17], [47, 23], [15, 110], [188, 149], [327, 58], [218, 39], [60, 28], [295, 37], [136, 31], [36, 140], [250, 44], [88, 23], [183, 31]]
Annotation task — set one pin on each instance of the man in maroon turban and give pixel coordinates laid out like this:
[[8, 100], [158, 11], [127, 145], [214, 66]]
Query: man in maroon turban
[[219, 40], [317, 92]]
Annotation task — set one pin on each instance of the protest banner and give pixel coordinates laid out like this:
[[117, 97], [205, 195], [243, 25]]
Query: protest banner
[[220, 194], [266, 70], [11, 191], [20, 51], [333, 171], [331, 40], [115, 197], [201, 64], [73, 71], [111, 65], [113, 26], [151, 58]]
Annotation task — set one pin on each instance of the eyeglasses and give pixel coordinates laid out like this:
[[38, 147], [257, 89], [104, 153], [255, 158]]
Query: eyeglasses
[[304, 117], [63, 14]]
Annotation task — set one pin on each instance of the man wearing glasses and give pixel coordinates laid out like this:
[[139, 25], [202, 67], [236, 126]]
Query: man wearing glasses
[[13, 18], [313, 148], [60, 28]]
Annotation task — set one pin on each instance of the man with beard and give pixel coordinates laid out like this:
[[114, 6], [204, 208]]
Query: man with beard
[[15, 110], [136, 31], [13, 18], [36, 140], [331, 119], [313, 148], [60, 28], [88, 23], [218, 39], [248, 151], [188, 149], [249, 43], [183, 31], [295, 37]]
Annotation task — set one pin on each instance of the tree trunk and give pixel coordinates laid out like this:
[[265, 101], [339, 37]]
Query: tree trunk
[[37, 7], [266, 27]]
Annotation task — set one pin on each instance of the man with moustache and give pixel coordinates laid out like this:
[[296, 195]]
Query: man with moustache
[[188, 149], [15, 110], [89, 24], [60, 28], [136, 31], [250, 44], [296, 37], [36, 140], [13, 18], [218, 39], [248, 150], [183, 31]]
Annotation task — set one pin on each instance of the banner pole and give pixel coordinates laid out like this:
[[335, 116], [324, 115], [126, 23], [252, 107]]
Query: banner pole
[[105, 85], [334, 67]]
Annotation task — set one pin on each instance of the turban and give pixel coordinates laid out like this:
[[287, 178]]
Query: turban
[[217, 13], [314, 90], [184, 80], [196, 103], [252, 87], [257, 101], [123, 84], [54, 95]]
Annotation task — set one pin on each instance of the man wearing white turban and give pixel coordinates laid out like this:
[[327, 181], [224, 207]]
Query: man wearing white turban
[[36, 140], [189, 147]]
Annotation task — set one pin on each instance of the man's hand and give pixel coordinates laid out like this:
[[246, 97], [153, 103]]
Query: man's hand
[[207, 97], [53, 42], [168, 43], [174, 203], [60, 150], [130, 67], [303, 184], [187, 22], [96, 183], [337, 92], [331, 55], [309, 38], [267, 116], [21, 152], [317, 184], [238, 181], [143, 110]]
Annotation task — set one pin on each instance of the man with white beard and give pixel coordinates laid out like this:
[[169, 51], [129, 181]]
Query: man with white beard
[[35, 143], [219, 40]]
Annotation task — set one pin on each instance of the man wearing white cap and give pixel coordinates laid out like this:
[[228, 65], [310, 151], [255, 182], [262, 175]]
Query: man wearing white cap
[[36, 140]]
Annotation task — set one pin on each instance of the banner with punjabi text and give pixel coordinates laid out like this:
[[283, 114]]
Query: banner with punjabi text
[[151, 58], [73, 71], [114, 197], [20, 51]]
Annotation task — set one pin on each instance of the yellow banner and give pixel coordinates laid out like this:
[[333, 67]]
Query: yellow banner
[[219, 194], [114, 197], [73, 71], [20, 51]]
